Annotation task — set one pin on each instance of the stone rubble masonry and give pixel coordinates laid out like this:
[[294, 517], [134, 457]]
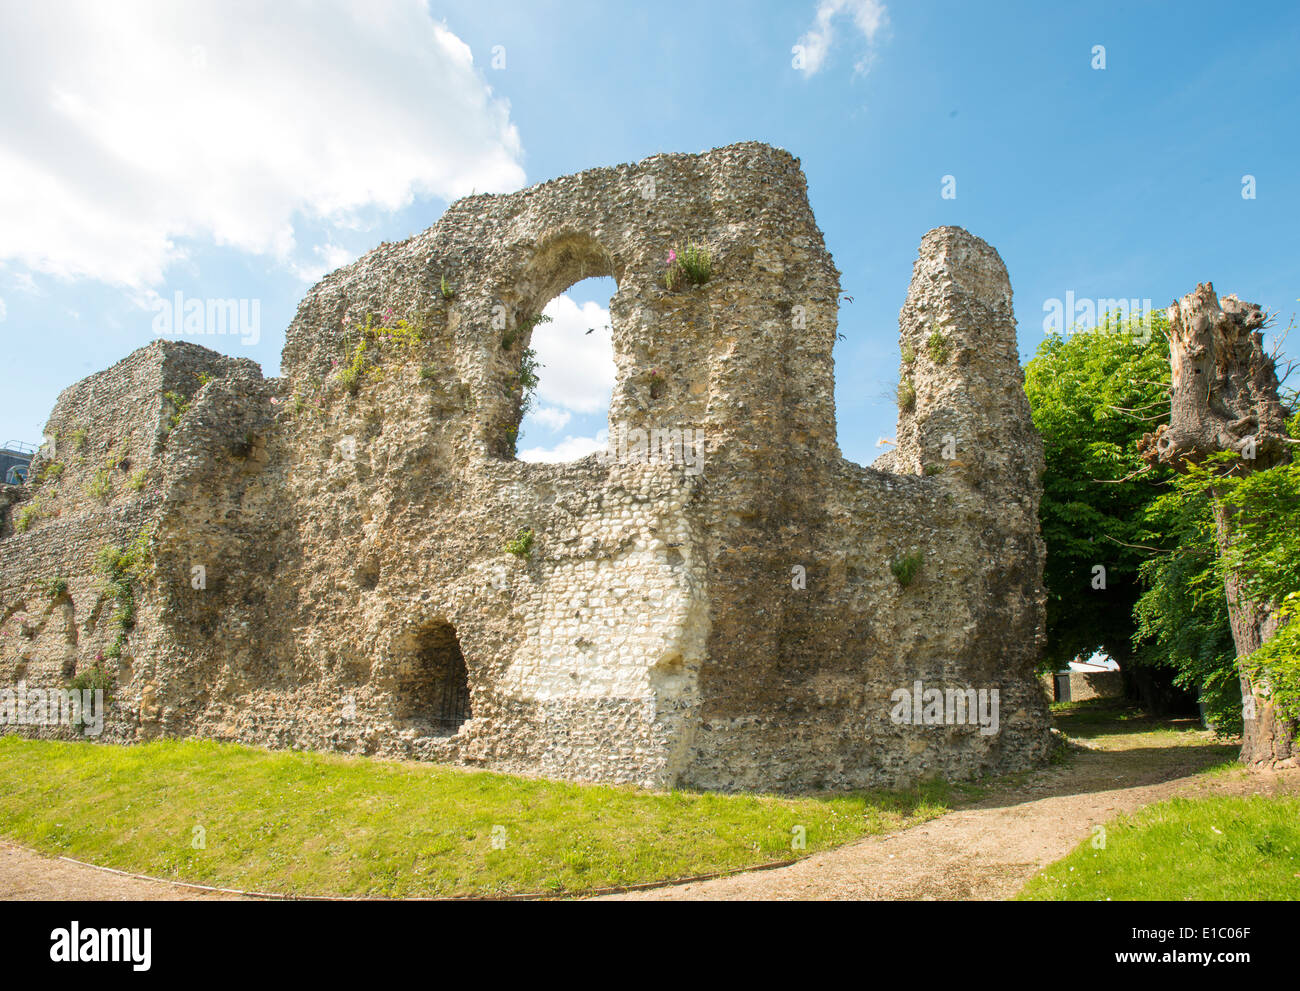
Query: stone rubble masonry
[[359, 597], [1085, 685]]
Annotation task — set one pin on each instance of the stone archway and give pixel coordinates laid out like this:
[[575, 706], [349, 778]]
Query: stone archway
[[557, 264], [431, 695]]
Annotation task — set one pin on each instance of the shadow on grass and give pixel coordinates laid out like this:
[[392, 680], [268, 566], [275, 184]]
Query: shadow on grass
[[1101, 717], [1090, 772], [1157, 750]]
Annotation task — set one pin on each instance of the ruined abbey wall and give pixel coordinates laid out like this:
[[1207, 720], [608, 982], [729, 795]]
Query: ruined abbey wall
[[743, 626]]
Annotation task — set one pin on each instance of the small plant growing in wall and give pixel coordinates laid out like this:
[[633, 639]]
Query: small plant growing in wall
[[447, 291], [28, 515], [906, 568], [54, 588], [51, 472], [78, 438], [137, 480], [692, 266], [522, 544], [116, 458], [100, 486], [93, 679], [351, 374], [524, 326], [908, 354], [372, 339], [180, 406], [306, 396], [937, 346], [121, 569], [528, 366], [906, 395]]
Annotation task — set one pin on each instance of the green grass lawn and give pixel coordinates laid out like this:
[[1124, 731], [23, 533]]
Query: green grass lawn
[[306, 823], [1198, 849], [1116, 724], [1104, 712]]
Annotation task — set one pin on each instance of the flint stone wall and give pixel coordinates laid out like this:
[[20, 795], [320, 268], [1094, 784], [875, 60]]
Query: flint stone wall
[[1086, 685], [357, 594]]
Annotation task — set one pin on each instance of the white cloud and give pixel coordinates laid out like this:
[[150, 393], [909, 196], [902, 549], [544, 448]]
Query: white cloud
[[23, 282], [869, 17], [4, 311], [569, 449], [577, 368], [328, 257], [129, 128], [551, 418]]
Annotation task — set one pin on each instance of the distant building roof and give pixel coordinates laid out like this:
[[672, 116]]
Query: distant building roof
[[1088, 668]]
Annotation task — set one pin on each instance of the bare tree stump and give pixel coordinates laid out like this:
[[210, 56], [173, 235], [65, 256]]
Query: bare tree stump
[[1224, 398]]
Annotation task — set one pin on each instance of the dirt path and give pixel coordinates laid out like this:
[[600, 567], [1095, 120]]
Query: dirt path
[[990, 848], [984, 850], [29, 876]]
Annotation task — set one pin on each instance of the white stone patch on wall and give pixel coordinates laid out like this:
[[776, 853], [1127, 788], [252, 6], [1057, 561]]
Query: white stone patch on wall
[[596, 628]]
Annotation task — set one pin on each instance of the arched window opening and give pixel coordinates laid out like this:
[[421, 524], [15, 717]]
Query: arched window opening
[[571, 369]]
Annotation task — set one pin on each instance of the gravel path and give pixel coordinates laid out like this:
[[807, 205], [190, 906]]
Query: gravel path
[[29, 876], [988, 850]]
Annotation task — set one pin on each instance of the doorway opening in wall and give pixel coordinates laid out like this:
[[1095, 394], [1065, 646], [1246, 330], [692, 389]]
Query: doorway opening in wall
[[567, 414], [433, 697]]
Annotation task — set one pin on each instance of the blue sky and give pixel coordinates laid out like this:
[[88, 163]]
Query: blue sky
[[227, 152]]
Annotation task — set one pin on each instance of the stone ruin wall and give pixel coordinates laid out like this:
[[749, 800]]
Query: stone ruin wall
[[353, 543]]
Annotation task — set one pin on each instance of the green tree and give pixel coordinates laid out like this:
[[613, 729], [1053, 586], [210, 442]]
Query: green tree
[[1156, 532], [1093, 395], [1182, 614], [1264, 556], [1227, 424]]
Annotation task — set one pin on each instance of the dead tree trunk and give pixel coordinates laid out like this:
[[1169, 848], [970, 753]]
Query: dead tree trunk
[[1224, 398]]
